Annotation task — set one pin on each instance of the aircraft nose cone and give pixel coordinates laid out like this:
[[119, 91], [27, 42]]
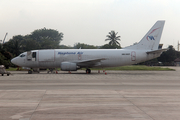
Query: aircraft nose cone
[[14, 61]]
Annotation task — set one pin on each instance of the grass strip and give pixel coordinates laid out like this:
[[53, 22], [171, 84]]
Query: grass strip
[[138, 67]]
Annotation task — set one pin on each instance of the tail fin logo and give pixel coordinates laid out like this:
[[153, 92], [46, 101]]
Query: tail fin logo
[[151, 37]]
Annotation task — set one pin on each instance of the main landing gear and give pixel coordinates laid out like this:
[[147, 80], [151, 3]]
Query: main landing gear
[[29, 71], [88, 71], [51, 70], [34, 70]]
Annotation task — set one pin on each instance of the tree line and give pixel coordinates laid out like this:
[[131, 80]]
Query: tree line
[[51, 39]]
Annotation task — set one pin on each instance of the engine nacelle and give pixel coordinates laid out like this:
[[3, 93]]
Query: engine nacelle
[[68, 66]]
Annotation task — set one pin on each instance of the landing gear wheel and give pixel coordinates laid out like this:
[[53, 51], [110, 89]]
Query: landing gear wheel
[[51, 70], [29, 71], [88, 71]]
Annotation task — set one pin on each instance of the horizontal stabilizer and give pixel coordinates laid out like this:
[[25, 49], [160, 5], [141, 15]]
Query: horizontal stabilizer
[[157, 51]]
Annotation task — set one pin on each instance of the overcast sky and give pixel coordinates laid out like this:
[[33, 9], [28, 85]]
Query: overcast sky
[[89, 21]]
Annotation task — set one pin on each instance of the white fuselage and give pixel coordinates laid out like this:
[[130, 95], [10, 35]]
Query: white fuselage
[[54, 57]]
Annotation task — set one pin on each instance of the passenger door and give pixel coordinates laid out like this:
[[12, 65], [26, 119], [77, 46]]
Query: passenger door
[[133, 56], [32, 58]]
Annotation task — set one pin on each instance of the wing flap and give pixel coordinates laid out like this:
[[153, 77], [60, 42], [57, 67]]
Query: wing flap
[[90, 62]]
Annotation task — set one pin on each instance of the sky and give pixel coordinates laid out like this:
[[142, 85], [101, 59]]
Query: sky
[[89, 21]]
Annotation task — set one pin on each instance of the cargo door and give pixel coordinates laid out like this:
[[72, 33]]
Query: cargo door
[[46, 58], [46, 55]]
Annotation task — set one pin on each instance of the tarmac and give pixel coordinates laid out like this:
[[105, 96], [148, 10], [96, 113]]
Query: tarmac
[[119, 95]]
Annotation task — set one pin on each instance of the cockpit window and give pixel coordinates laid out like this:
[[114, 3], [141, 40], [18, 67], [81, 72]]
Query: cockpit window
[[22, 55]]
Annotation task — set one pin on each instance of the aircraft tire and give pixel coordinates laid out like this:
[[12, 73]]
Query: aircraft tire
[[29, 72]]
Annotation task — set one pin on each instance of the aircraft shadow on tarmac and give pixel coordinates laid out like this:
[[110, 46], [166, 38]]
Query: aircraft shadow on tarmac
[[94, 73]]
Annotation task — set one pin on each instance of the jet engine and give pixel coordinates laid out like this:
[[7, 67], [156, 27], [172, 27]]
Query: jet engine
[[68, 66]]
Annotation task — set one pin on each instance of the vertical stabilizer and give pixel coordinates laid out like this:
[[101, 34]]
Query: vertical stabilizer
[[151, 40]]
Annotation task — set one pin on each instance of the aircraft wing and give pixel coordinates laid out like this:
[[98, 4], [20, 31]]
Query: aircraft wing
[[90, 62], [157, 51]]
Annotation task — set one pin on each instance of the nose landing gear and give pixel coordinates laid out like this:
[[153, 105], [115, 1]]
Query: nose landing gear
[[29, 71]]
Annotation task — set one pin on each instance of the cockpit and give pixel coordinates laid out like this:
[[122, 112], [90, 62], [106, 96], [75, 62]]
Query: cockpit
[[20, 60], [22, 55]]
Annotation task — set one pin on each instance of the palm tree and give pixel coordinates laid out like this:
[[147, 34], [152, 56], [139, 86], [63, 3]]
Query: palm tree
[[14, 45], [113, 38]]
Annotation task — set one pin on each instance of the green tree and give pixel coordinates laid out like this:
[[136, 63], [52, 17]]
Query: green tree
[[3, 60], [30, 44], [168, 56], [113, 38], [84, 46], [38, 39], [47, 38], [108, 46], [65, 47], [5, 57], [14, 45], [1, 47]]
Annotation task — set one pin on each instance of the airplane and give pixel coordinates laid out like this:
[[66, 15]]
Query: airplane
[[74, 59]]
